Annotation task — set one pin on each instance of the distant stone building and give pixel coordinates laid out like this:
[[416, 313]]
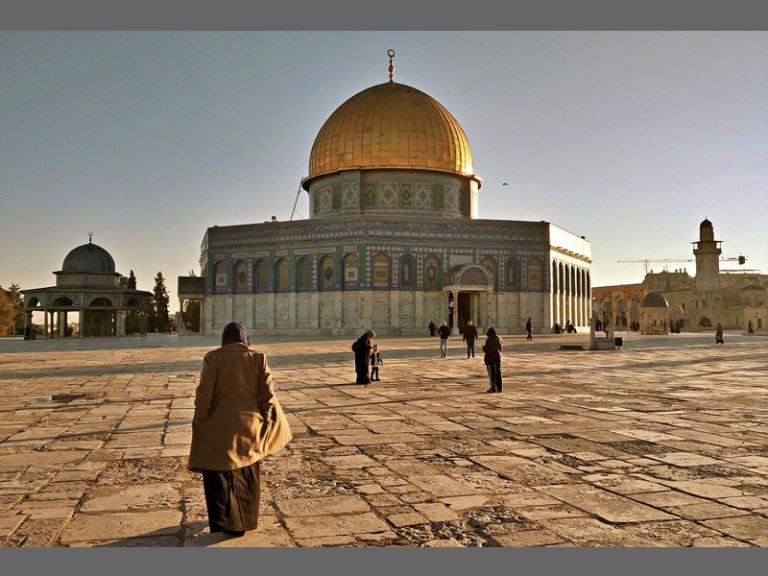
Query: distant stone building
[[89, 286], [695, 302], [393, 240]]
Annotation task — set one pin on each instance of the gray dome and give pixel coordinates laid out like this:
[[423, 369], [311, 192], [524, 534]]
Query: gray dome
[[654, 300], [88, 259]]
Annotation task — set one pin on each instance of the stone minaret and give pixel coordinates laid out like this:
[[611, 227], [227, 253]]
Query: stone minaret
[[707, 252]]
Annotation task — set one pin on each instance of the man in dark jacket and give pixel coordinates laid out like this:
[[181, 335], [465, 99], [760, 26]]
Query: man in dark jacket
[[529, 330], [470, 335], [492, 348], [444, 332]]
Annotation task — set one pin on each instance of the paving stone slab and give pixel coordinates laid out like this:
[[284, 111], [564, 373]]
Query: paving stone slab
[[684, 459], [528, 538], [751, 528], [52, 459], [705, 511], [321, 506], [304, 527], [604, 504], [441, 485], [125, 498], [122, 525], [521, 470]]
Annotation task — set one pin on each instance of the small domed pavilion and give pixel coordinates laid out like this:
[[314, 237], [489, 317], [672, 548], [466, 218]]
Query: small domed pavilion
[[89, 285], [654, 314]]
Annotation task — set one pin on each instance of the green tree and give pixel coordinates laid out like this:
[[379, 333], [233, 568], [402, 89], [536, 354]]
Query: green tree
[[191, 315], [128, 281], [6, 313], [159, 319], [17, 303]]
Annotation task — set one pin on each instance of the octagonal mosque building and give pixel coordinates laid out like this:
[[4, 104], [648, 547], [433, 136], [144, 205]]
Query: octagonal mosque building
[[393, 240]]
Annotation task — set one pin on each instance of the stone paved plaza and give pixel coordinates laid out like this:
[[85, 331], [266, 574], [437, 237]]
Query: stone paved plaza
[[663, 443]]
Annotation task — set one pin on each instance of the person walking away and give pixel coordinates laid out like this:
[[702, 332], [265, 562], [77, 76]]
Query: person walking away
[[444, 332], [376, 361], [719, 334], [529, 330], [492, 348], [362, 348], [470, 335], [237, 422], [432, 328]]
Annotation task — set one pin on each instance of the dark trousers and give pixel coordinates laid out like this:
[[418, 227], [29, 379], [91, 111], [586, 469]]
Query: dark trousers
[[374, 372], [232, 499], [529, 337], [470, 348], [494, 376]]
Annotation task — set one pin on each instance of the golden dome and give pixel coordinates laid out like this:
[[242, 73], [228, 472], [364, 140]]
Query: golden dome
[[391, 126]]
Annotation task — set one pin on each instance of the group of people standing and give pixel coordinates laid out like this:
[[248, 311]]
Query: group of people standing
[[492, 348], [238, 420], [367, 355]]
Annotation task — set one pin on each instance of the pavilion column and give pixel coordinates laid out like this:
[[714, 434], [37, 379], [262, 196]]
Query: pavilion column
[[120, 322], [456, 311], [81, 323], [45, 323], [181, 329]]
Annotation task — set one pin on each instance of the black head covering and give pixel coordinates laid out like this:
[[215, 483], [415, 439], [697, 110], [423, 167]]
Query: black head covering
[[490, 333], [234, 332]]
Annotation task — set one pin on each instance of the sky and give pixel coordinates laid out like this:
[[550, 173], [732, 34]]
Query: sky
[[146, 139]]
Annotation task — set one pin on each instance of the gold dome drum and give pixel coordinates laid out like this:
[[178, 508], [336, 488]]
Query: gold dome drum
[[391, 126]]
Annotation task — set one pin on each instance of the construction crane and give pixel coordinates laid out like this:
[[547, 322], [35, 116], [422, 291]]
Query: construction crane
[[645, 261]]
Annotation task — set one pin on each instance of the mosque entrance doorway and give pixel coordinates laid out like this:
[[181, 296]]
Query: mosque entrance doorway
[[469, 307], [470, 293]]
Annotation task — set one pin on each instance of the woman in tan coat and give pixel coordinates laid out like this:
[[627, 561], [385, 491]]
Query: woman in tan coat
[[238, 421]]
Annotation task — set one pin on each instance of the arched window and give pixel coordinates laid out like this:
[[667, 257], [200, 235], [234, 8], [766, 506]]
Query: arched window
[[489, 263], [555, 285], [304, 274], [572, 283], [281, 274], [381, 271], [220, 274], [432, 273], [407, 279], [589, 287], [260, 280], [607, 314], [534, 274], [621, 313], [560, 279], [351, 278], [513, 273], [326, 273], [241, 277]]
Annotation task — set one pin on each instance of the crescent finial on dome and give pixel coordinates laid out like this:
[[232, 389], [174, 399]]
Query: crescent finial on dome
[[391, 54]]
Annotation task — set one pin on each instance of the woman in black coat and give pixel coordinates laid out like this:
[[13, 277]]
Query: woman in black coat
[[492, 348], [362, 349]]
